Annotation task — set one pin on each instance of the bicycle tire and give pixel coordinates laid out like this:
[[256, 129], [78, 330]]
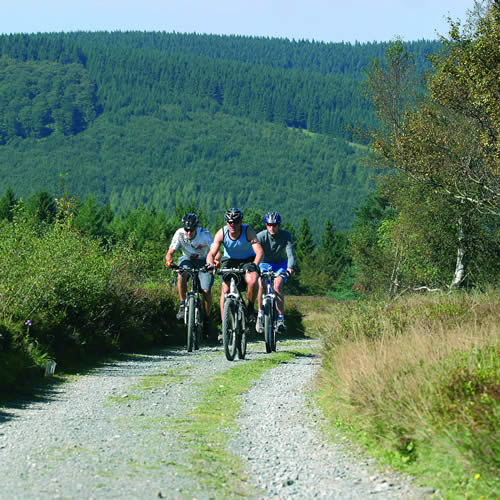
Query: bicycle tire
[[191, 327], [241, 343], [198, 325], [268, 325], [230, 329], [274, 317]]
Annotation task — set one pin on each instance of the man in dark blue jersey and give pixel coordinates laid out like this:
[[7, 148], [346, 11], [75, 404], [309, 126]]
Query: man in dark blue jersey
[[279, 257]]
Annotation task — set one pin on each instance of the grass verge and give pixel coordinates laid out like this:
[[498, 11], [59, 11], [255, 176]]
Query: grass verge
[[417, 384]]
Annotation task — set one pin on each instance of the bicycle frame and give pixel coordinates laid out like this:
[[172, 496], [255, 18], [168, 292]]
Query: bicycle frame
[[270, 311], [234, 321], [193, 320], [234, 292]]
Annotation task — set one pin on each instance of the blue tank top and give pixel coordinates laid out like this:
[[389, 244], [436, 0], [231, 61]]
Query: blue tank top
[[240, 248]]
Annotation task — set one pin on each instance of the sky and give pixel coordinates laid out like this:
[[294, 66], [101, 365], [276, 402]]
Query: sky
[[320, 20]]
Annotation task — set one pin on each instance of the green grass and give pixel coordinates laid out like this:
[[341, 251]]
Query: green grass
[[417, 384], [161, 379], [124, 398], [210, 425]]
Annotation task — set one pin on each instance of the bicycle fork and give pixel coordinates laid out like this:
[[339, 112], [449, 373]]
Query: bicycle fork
[[196, 303], [235, 296], [270, 297]]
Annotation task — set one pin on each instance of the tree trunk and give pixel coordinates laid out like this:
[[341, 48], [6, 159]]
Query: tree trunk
[[394, 285], [459, 267]]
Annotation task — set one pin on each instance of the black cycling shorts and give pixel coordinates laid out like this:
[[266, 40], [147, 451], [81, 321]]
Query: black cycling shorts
[[227, 263]]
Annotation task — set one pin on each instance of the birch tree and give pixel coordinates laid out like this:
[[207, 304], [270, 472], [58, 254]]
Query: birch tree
[[445, 140]]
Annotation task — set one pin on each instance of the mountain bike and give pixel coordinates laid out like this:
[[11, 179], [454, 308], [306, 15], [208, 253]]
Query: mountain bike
[[234, 317], [193, 309], [270, 310]]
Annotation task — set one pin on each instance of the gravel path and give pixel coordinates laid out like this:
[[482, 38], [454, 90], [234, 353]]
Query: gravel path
[[109, 434], [286, 456]]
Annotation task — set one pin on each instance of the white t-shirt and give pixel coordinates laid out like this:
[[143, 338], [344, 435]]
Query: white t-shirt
[[197, 248]]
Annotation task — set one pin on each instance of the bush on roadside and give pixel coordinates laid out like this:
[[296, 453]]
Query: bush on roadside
[[64, 296]]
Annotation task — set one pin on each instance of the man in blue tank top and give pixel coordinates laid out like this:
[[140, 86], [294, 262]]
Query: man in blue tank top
[[241, 249]]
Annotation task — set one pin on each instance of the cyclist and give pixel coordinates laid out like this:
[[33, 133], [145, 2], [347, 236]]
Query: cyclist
[[195, 243], [278, 257], [241, 249]]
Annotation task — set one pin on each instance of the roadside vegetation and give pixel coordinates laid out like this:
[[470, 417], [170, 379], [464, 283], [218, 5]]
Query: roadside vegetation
[[412, 373], [66, 297], [416, 382]]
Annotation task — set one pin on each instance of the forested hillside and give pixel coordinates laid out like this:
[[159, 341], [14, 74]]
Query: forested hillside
[[157, 118]]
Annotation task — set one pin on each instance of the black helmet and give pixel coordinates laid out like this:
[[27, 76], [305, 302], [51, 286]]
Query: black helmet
[[272, 218], [233, 215], [190, 221]]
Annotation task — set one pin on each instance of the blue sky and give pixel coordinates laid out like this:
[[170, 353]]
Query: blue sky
[[326, 20]]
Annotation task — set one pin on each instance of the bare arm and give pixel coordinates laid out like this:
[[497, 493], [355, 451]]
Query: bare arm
[[214, 248], [169, 257]]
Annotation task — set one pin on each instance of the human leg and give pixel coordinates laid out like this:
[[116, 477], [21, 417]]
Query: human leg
[[280, 299], [182, 286], [182, 279], [206, 282], [224, 290], [259, 325]]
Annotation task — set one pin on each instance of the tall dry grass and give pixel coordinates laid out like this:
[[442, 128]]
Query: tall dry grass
[[418, 382]]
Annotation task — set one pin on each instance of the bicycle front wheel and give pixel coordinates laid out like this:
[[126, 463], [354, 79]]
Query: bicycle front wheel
[[198, 320], [191, 326], [241, 343], [268, 327], [230, 328]]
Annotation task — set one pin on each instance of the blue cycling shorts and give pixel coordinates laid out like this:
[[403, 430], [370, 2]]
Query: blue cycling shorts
[[279, 267]]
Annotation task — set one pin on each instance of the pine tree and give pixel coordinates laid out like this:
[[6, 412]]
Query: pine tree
[[7, 203], [305, 244], [43, 207]]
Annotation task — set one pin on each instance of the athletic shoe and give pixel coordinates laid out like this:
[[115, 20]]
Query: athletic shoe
[[280, 325], [259, 325], [180, 312]]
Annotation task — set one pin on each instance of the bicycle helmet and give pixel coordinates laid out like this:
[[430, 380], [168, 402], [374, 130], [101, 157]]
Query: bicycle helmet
[[190, 221], [272, 218], [233, 215]]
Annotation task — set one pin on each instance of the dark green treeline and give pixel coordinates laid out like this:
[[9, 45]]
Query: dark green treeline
[[302, 84]]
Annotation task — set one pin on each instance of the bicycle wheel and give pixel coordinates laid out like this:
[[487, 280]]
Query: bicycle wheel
[[191, 327], [273, 327], [230, 328], [241, 343], [268, 325], [198, 325]]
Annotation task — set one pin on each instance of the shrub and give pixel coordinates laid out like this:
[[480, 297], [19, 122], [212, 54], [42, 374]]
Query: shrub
[[64, 295]]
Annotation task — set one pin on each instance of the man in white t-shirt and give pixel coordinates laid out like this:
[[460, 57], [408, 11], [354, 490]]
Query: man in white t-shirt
[[195, 243]]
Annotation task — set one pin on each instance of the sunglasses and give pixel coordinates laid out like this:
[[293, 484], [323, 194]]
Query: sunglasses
[[273, 224], [233, 222], [189, 230]]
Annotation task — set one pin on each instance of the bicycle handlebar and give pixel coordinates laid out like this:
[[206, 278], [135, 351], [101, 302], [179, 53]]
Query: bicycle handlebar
[[231, 270], [273, 274], [177, 268]]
